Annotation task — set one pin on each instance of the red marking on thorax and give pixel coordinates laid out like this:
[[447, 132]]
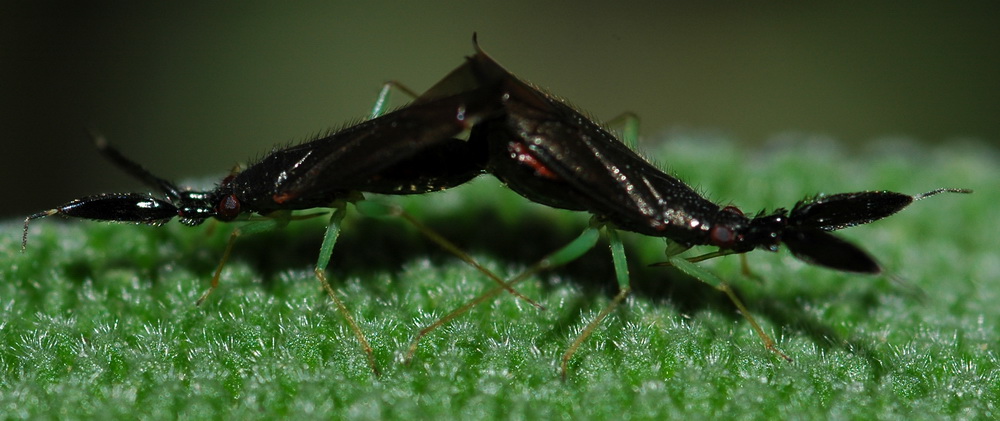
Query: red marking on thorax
[[523, 155], [283, 197]]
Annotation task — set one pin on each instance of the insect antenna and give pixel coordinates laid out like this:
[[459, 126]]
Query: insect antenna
[[132, 168]]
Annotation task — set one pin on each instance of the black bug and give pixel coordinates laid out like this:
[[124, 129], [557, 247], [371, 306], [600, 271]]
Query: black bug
[[539, 147], [548, 152], [397, 153], [409, 151]]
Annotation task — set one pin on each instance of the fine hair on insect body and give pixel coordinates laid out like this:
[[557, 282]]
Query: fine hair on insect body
[[479, 119]]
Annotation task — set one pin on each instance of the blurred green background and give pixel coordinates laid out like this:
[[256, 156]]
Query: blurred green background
[[191, 89]]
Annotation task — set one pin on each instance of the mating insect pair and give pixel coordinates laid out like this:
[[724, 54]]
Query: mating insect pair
[[539, 147]]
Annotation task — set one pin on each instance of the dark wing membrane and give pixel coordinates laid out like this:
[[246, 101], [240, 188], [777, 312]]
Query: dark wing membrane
[[377, 144], [438, 167], [611, 179], [311, 173]]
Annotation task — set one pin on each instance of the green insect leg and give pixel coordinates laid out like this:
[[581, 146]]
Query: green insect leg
[[380, 210], [382, 101], [687, 266], [275, 220], [326, 249], [624, 288], [566, 254]]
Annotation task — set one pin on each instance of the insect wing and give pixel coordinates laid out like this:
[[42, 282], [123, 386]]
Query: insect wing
[[441, 166], [351, 157], [609, 179]]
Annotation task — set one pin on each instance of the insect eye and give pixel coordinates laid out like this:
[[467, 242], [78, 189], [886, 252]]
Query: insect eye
[[723, 236], [228, 208]]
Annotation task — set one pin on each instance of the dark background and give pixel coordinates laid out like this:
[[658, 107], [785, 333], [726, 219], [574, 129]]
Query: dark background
[[190, 90]]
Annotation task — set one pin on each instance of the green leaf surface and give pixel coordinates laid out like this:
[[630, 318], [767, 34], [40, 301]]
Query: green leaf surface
[[98, 320]]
